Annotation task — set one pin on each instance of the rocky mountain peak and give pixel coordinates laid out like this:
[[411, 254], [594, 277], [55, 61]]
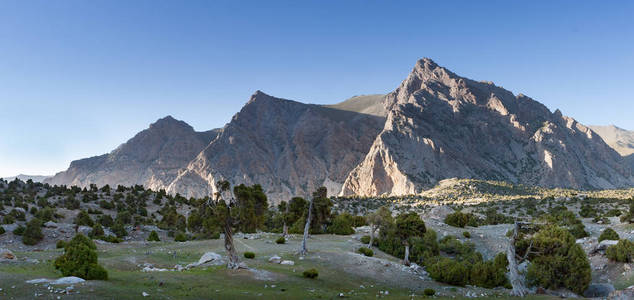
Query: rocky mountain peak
[[169, 122]]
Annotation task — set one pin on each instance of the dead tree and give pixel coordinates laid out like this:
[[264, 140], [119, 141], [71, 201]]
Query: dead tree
[[285, 230], [303, 250], [517, 279], [223, 212]]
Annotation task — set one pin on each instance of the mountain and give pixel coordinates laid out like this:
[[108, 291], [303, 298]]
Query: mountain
[[23, 177], [619, 139], [436, 125], [441, 125], [151, 158], [288, 147]]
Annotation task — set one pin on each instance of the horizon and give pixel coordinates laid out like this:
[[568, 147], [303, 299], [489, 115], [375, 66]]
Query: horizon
[[80, 79]]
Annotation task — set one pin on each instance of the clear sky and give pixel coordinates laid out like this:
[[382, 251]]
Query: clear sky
[[78, 78]]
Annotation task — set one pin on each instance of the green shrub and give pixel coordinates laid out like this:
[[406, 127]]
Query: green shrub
[[8, 219], [491, 273], [311, 273], [33, 232], [2, 231], [46, 214], [119, 230], [587, 211], [153, 237], [466, 234], [19, 230], [613, 213], [365, 239], [578, 231], [560, 262], [429, 292], [449, 271], [60, 244], [105, 220], [366, 251], [83, 219], [621, 252], [609, 234], [341, 225], [358, 221], [18, 214], [280, 240], [111, 239], [180, 237], [97, 231], [249, 255], [460, 219], [80, 259]]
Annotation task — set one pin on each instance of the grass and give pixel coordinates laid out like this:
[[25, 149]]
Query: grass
[[126, 281]]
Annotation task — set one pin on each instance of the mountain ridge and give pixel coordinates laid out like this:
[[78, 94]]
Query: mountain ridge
[[435, 125]]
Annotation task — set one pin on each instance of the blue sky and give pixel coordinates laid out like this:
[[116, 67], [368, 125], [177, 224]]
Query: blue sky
[[78, 78]]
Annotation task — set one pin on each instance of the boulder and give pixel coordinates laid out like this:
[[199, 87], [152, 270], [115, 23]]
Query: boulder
[[440, 212], [85, 230], [68, 280], [603, 245], [275, 259], [598, 290], [10, 227], [207, 257], [287, 262], [50, 224], [6, 254], [625, 294]]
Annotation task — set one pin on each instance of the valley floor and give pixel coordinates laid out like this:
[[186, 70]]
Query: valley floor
[[341, 272]]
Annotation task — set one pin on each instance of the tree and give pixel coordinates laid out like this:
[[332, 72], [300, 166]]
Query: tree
[[609, 234], [153, 237], [283, 209], [557, 261], [321, 193], [80, 259], [379, 218], [409, 225], [244, 211], [33, 232], [342, 225]]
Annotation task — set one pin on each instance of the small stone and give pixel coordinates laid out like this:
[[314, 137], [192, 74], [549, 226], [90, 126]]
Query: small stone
[[145, 294]]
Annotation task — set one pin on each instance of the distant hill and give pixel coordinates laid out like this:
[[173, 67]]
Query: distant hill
[[620, 139], [23, 177]]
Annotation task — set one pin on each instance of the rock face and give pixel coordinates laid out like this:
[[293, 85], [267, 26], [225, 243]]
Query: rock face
[[151, 158], [289, 148], [440, 125], [435, 125]]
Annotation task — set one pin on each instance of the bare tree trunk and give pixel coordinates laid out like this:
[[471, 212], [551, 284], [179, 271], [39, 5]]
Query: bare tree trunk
[[517, 280], [372, 229], [285, 230], [232, 257], [406, 260], [303, 250]]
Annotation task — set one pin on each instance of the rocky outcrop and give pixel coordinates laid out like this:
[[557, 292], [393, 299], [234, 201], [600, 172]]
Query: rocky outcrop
[[440, 125], [151, 158], [289, 148]]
